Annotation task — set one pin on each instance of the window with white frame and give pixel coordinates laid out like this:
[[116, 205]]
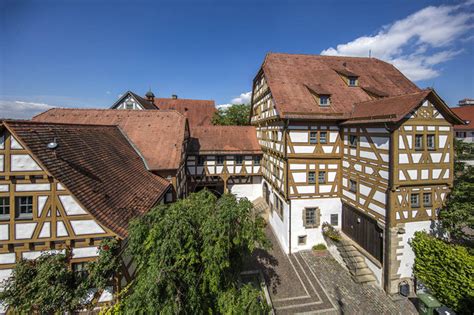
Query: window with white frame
[[323, 137], [430, 142], [313, 137], [415, 200], [322, 177], [418, 142], [4, 208], [427, 200], [311, 217], [324, 100], [311, 177], [24, 206]]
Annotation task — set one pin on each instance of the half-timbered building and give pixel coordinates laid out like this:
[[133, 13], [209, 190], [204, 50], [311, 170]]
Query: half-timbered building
[[68, 187], [354, 143]]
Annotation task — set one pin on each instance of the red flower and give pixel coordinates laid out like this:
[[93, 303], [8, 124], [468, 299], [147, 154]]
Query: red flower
[[105, 247]]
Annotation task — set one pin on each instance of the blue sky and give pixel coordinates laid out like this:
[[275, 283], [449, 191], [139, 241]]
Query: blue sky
[[86, 53]]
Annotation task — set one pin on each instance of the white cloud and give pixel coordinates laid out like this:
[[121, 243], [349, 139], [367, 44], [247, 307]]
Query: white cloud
[[244, 98], [21, 110], [417, 43]]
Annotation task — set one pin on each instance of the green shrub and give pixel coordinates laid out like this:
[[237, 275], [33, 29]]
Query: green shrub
[[446, 269], [319, 246], [330, 232]]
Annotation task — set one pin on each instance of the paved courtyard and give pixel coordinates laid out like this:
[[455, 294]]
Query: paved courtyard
[[304, 283]]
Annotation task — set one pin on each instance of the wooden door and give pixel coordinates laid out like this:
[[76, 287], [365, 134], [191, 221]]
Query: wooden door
[[363, 230]]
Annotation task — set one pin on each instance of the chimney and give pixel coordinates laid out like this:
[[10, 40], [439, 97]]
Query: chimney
[[174, 96]]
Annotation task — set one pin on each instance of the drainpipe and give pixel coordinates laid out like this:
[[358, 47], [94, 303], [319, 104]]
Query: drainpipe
[[386, 262], [285, 128]]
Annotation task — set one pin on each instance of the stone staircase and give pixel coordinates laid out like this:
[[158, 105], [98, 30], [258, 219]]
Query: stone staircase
[[355, 262], [261, 208]]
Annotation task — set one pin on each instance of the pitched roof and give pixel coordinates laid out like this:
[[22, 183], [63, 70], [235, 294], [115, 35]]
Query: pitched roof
[[466, 113], [224, 140], [157, 134], [99, 167], [198, 112], [394, 109], [143, 102], [289, 75]]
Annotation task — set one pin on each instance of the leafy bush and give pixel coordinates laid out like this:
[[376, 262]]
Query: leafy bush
[[246, 300], [330, 232], [319, 247], [446, 269]]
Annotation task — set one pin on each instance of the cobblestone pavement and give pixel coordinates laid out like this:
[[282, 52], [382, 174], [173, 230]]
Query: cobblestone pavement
[[349, 296]]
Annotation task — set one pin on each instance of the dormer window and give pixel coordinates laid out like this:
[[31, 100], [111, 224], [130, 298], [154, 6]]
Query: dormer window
[[324, 100], [352, 81]]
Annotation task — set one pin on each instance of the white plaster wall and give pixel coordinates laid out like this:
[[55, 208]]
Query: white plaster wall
[[84, 227], [35, 254], [24, 230], [32, 187], [4, 232], [375, 269], [249, 191], [82, 252], [314, 236], [280, 227], [8, 258], [23, 162], [406, 255], [71, 206]]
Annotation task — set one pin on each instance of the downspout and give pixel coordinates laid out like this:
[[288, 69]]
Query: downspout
[[386, 263], [285, 128]]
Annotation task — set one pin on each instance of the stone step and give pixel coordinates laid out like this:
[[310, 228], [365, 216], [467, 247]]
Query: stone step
[[366, 279], [350, 254], [355, 259], [363, 271]]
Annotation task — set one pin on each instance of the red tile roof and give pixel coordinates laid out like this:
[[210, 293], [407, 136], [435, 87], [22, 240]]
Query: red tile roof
[[224, 140], [98, 165], [289, 75], [466, 113], [394, 109], [198, 112], [157, 134]]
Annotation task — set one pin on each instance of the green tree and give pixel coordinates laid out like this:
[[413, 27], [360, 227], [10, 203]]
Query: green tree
[[189, 254], [446, 269], [458, 214], [46, 285], [236, 114]]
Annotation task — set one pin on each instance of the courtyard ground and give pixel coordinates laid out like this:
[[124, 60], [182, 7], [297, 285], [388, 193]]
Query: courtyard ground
[[305, 283]]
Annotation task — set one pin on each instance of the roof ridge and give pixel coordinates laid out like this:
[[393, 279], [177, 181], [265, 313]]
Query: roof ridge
[[323, 56], [30, 122]]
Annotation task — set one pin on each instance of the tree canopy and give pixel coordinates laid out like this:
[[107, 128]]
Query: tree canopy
[[236, 114], [189, 255]]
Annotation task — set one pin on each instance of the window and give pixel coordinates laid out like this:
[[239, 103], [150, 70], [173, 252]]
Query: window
[[335, 219], [418, 142], [313, 137], [352, 185], [311, 177], [352, 81], [311, 217], [220, 160], [24, 207], [302, 240], [324, 100], [323, 137], [415, 200], [427, 200], [353, 141], [430, 142], [80, 270], [201, 160], [4, 207], [278, 205], [322, 177], [238, 159], [461, 134], [256, 160]]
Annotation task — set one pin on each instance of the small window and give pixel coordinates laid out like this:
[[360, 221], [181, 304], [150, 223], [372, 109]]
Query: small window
[[427, 200], [415, 200], [238, 159], [169, 197], [256, 160], [302, 240], [353, 141], [461, 134], [324, 100], [323, 137], [313, 137], [335, 219], [4, 207], [311, 217], [129, 105], [201, 160], [322, 177], [418, 142], [24, 207], [220, 160], [352, 185], [430, 142], [352, 81], [311, 177], [80, 270]]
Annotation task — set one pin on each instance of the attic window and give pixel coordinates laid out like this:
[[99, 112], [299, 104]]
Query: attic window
[[352, 81], [324, 100]]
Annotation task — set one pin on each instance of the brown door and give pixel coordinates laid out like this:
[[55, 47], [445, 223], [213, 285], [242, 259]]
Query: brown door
[[363, 230], [266, 193]]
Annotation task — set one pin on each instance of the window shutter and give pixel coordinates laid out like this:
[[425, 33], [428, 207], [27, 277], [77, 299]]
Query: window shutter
[[317, 217], [304, 217]]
